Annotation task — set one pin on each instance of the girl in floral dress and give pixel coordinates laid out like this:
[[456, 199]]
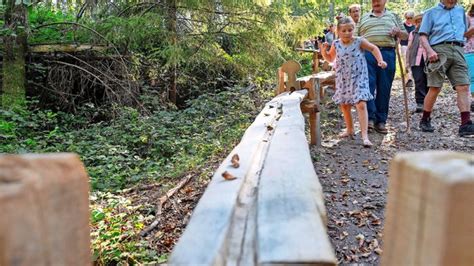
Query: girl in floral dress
[[352, 80]]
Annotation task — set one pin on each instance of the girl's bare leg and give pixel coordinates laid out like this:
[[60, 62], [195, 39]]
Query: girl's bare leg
[[346, 112], [363, 121]]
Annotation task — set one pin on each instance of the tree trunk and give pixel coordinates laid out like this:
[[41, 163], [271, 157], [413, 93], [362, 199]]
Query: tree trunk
[[14, 57], [331, 12], [171, 26]]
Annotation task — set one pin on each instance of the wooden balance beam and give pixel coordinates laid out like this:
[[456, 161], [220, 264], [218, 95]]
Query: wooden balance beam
[[272, 212]]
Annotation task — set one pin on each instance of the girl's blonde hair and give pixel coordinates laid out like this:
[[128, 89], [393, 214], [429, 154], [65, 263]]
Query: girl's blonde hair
[[345, 20]]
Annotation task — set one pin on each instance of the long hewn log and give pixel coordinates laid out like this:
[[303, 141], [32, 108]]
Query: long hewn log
[[233, 222], [291, 222]]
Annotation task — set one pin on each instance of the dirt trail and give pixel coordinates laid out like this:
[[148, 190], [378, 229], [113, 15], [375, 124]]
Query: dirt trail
[[354, 178]]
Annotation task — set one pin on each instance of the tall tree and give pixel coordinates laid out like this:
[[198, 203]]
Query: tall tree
[[14, 56], [171, 26]]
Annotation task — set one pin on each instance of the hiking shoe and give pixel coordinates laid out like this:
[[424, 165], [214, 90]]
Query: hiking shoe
[[425, 126], [466, 129], [419, 108], [380, 128], [409, 83]]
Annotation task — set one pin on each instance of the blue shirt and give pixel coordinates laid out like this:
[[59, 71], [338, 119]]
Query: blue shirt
[[443, 25]]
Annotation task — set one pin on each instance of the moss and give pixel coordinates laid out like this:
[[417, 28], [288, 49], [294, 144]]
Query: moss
[[13, 95]]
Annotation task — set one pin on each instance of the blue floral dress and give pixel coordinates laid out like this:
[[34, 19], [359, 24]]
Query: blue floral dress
[[352, 77]]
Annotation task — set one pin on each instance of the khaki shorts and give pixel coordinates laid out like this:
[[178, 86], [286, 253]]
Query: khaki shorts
[[455, 67]]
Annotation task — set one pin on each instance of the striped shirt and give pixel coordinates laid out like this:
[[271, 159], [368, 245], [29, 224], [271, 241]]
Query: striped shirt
[[377, 29]]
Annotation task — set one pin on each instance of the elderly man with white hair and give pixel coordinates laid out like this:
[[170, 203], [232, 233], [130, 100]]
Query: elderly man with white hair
[[354, 12]]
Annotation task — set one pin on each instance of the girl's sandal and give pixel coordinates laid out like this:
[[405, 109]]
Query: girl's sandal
[[346, 134], [367, 143]]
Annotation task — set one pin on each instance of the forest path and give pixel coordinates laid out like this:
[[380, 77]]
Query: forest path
[[354, 178]]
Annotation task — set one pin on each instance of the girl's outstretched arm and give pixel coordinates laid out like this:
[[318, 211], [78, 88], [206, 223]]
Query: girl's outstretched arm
[[366, 45], [328, 55]]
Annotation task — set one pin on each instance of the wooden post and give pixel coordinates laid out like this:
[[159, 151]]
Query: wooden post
[[44, 210], [281, 81], [429, 218], [317, 116], [315, 62]]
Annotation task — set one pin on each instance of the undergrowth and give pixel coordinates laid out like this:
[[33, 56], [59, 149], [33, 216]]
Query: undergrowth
[[133, 147]]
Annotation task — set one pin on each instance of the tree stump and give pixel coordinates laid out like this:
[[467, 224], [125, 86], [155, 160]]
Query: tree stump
[[44, 207]]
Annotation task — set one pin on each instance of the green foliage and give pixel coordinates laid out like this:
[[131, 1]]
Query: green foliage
[[139, 34], [129, 149], [13, 95], [41, 15], [133, 147], [115, 226]]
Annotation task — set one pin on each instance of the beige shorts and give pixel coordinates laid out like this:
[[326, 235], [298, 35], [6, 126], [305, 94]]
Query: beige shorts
[[455, 67]]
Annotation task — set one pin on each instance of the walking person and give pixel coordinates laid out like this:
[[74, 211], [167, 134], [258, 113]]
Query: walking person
[[409, 27], [352, 83], [415, 60], [381, 27], [442, 35], [354, 12], [330, 35], [469, 51]]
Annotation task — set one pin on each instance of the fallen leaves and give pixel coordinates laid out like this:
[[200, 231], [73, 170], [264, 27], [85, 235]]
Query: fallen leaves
[[374, 243], [360, 238], [228, 176], [379, 251], [344, 181], [376, 222], [343, 235], [235, 161]]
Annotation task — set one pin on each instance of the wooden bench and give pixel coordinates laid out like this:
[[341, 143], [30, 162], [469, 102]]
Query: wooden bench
[[273, 211], [314, 84]]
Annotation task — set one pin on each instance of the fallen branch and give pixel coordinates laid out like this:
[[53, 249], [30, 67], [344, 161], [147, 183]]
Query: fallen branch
[[162, 201]]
